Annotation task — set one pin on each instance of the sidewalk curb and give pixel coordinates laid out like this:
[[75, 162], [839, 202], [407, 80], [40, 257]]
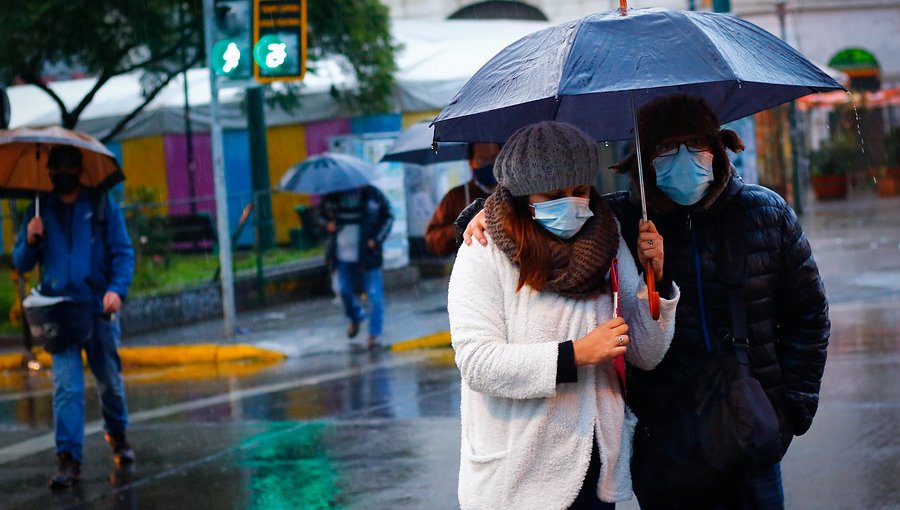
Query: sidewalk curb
[[167, 355], [432, 341], [200, 354]]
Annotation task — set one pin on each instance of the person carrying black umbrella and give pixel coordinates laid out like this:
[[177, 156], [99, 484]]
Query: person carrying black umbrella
[[80, 240]]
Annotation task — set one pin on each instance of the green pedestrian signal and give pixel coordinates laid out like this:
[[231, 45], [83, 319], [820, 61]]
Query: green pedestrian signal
[[271, 55], [279, 50], [229, 60], [232, 52]]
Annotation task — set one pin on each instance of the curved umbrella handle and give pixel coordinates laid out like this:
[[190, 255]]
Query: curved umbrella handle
[[652, 295]]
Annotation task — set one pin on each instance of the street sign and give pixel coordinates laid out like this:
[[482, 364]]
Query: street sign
[[231, 54], [279, 35]]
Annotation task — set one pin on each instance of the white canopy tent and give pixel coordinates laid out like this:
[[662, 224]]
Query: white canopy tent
[[436, 59]]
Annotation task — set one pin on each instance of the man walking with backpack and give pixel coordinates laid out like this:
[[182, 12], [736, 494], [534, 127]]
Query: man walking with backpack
[[80, 240]]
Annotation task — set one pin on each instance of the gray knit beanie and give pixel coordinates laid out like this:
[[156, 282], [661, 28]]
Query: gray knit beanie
[[544, 157]]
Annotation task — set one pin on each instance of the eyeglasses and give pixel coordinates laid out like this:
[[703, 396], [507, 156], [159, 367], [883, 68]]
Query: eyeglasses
[[694, 145]]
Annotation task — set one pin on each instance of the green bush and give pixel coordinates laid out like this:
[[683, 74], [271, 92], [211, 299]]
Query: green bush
[[892, 147], [837, 156]]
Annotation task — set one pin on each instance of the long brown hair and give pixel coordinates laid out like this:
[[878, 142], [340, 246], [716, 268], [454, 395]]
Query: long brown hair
[[533, 253]]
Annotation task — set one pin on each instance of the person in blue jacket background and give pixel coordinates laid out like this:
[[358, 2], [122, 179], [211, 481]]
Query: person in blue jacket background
[[82, 245]]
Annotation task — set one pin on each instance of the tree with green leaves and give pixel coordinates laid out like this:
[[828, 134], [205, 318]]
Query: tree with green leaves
[[163, 38]]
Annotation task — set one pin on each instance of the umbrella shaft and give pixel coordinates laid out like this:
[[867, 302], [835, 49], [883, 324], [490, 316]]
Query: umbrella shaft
[[640, 159]]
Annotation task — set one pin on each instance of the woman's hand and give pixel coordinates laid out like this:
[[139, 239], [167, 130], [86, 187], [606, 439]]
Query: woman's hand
[[476, 229], [650, 248], [602, 344]]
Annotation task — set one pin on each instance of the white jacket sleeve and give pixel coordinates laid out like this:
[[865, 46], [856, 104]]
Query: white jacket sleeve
[[490, 362], [650, 339]]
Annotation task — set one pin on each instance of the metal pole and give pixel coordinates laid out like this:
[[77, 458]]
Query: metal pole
[[259, 166], [259, 248], [218, 159], [781, 11], [640, 162], [188, 131]]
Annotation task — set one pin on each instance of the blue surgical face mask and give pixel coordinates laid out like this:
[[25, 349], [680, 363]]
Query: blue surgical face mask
[[685, 176], [563, 217], [485, 175]]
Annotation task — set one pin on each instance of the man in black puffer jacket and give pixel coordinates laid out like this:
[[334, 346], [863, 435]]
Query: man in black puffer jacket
[[693, 196], [786, 309]]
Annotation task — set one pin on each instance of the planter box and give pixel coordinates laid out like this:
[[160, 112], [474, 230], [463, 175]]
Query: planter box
[[830, 187], [888, 182]]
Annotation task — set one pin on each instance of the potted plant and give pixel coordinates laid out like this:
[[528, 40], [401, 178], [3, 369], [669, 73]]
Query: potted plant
[[888, 179], [829, 167]]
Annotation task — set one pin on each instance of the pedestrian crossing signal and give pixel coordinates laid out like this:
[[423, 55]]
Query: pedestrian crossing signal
[[279, 34]]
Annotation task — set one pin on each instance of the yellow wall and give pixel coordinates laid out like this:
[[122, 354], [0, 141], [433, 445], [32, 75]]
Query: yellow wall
[[408, 119], [144, 164], [9, 234], [287, 147]]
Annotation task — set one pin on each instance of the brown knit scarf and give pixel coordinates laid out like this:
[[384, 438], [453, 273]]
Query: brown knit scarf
[[579, 264]]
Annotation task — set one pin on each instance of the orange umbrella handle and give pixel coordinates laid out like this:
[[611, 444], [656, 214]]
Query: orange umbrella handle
[[652, 295]]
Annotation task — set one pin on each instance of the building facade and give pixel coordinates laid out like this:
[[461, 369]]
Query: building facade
[[820, 29]]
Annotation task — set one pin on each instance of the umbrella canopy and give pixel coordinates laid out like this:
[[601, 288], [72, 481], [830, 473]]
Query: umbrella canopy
[[587, 72], [327, 173], [415, 145], [24, 153]]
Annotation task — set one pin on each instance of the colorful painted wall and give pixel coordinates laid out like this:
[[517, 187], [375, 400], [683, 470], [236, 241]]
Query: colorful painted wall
[[156, 169]]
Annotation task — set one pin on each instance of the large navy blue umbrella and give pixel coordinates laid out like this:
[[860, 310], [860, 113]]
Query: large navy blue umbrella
[[327, 173], [597, 71], [587, 72], [415, 145]]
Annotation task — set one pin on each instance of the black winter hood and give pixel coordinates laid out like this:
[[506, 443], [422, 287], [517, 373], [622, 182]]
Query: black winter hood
[[673, 116]]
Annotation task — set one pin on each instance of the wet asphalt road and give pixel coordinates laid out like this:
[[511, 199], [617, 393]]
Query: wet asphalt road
[[358, 431]]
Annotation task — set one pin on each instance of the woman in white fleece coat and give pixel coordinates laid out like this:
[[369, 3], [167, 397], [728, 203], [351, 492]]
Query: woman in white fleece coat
[[544, 422]]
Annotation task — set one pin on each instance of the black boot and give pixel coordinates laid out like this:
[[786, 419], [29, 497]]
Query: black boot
[[122, 452], [68, 474]]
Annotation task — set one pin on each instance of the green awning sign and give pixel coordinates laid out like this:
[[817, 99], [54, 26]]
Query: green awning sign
[[855, 62]]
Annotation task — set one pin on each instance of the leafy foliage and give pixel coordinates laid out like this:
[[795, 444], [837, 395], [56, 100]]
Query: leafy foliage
[[837, 156], [163, 37], [892, 147], [105, 37]]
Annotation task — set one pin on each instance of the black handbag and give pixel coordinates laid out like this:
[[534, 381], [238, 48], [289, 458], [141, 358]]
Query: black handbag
[[60, 326]]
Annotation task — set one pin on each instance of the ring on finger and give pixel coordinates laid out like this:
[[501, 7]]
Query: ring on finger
[[620, 340], [650, 242]]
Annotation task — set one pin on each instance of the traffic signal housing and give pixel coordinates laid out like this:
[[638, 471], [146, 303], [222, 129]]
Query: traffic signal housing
[[279, 35], [232, 51]]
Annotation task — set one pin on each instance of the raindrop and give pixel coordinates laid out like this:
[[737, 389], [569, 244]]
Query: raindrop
[[862, 142]]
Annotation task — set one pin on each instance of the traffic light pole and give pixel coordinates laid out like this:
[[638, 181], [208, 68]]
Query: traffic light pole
[[218, 159], [259, 166]]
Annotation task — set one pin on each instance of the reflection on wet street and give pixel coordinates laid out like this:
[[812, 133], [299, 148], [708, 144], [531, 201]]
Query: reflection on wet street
[[355, 431]]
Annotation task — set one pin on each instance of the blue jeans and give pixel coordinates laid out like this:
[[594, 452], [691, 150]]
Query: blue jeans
[[762, 489], [353, 279], [68, 387]]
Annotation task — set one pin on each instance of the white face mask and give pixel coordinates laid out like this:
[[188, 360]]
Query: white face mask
[[685, 176], [563, 217]]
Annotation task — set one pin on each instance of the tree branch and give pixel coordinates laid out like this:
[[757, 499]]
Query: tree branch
[[147, 100], [161, 56], [86, 100], [36, 81]]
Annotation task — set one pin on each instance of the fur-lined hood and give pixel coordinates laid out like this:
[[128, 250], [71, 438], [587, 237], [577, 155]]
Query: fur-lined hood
[[672, 116]]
